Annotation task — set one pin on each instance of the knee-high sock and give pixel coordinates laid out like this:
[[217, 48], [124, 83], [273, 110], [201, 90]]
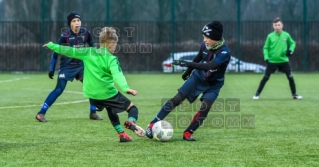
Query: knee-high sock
[[133, 113], [60, 86], [262, 85], [200, 116], [169, 106], [165, 110], [292, 84], [115, 120]]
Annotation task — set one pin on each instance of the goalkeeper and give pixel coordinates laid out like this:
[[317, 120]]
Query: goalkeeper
[[205, 75], [278, 47], [101, 70]]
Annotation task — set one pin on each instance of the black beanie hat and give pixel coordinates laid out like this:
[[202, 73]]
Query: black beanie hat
[[213, 30], [72, 15]]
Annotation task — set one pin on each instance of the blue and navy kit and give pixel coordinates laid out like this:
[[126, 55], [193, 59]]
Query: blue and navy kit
[[221, 56], [69, 38], [207, 82]]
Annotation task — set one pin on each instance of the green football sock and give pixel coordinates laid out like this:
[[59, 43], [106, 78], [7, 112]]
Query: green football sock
[[132, 119], [118, 128]]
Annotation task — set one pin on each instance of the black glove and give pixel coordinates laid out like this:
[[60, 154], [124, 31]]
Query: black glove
[[186, 74], [288, 53], [51, 74], [181, 63]]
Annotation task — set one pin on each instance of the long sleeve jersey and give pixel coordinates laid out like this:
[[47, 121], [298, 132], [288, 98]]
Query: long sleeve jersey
[[69, 38], [101, 70], [276, 46], [220, 56]]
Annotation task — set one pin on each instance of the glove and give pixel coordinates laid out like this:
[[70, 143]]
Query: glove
[[186, 74], [181, 63], [288, 53], [51, 74], [267, 62]]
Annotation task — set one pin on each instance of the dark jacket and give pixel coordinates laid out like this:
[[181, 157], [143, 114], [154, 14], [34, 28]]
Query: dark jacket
[[69, 38]]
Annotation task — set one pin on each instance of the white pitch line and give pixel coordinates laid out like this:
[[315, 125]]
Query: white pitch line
[[11, 80], [49, 90], [62, 103], [74, 92]]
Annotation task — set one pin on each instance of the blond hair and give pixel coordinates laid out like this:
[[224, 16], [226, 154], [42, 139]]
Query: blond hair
[[108, 35]]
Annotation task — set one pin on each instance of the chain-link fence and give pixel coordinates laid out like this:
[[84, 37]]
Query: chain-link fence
[[151, 30]]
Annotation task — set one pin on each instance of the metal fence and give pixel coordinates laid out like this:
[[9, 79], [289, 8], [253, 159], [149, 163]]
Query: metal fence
[[145, 43]]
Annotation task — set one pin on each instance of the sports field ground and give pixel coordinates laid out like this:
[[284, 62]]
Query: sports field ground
[[281, 131]]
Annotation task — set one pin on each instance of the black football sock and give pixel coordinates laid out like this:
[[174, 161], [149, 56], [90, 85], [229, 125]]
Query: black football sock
[[133, 114], [292, 85], [114, 118], [262, 85]]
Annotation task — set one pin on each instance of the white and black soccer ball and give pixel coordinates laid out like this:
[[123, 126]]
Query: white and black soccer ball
[[162, 130]]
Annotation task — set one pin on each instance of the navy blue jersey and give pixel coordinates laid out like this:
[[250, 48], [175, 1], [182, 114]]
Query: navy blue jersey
[[220, 56], [69, 38]]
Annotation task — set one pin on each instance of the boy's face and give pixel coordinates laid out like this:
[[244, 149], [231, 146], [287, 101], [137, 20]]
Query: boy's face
[[75, 24], [208, 41], [278, 26]]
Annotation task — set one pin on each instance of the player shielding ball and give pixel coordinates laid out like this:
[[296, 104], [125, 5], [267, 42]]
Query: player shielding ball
[[101, 71], [205, 75]]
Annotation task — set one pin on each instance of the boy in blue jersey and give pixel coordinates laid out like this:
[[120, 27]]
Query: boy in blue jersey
[[75, 36], [205, 75]]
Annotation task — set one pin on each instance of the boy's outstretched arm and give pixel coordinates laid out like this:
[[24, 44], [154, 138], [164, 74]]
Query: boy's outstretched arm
[[119, 78], [78, 53]]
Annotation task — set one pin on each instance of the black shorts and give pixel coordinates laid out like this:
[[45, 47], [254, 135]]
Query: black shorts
[[117, 103], [282, 67]]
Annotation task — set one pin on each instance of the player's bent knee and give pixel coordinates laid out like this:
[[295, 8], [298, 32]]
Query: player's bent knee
[[177, 99], [130, 106]]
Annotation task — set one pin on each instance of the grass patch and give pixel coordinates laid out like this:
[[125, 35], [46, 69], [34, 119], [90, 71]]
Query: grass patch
[[285, 133]]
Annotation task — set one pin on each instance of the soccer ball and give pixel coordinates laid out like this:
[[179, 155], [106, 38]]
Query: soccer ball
[[162, 130]]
